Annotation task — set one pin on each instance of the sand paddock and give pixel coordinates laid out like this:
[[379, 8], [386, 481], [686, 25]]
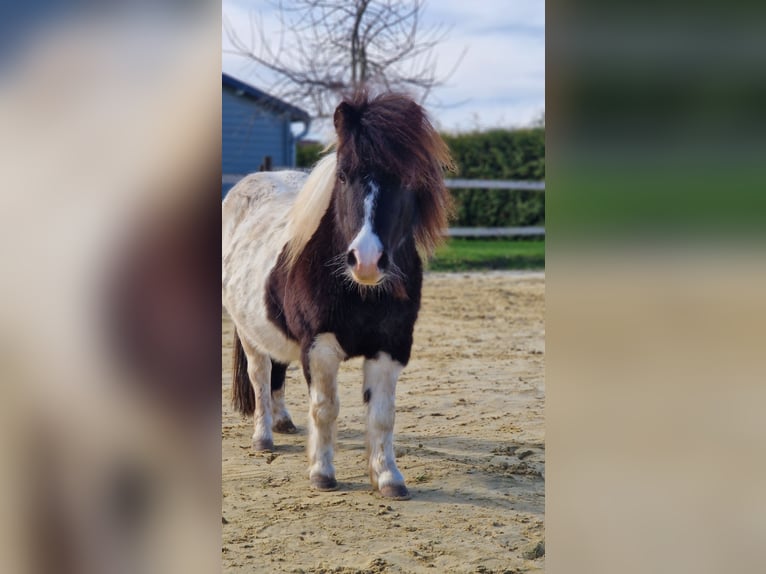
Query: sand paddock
[[469, 440]]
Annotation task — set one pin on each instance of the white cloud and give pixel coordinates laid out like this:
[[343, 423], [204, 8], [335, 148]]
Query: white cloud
[[483, 14], [501, 80]]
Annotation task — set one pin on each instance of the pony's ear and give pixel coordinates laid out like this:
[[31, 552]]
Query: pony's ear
[[345, 117]]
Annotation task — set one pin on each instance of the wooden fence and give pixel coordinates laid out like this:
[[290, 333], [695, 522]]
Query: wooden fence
[[531, 231]]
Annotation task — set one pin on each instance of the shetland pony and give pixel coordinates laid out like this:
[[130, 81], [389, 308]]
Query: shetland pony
[[325, 267]]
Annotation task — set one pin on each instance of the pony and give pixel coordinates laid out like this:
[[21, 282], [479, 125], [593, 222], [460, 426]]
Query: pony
[[323, 267]]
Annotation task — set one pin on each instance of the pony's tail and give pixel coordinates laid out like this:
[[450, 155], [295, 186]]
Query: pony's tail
[[242, 393]]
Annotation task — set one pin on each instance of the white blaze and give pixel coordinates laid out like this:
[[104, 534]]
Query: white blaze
[[366, 243]]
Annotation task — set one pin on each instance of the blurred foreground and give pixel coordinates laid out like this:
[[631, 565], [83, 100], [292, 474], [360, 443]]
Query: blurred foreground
[[655, 282], [109, 314]]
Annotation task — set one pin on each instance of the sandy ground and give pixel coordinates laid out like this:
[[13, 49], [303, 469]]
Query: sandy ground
[[469, 440]]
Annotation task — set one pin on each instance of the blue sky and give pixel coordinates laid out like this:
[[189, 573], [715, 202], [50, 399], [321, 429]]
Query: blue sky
[[501, 80]]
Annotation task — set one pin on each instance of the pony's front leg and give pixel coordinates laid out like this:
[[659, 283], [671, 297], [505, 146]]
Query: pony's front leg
[[380, 376], [323, 359]]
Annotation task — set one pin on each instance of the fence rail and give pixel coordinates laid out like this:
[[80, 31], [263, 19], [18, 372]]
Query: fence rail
[[495, 184], [233, 178], [531, 231]]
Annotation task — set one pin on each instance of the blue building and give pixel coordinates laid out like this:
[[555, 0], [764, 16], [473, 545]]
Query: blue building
[[254, 126]]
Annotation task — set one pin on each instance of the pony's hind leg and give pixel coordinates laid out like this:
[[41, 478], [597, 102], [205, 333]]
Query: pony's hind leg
[[259, 370], [282, 423], [320, 364], [380, 377]]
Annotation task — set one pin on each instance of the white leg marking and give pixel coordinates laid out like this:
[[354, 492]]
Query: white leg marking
[[380, 376], [259, 370], [325, 357]]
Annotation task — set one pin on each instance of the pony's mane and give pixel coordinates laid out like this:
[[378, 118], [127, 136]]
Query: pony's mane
[[310, 205], [389, 134]]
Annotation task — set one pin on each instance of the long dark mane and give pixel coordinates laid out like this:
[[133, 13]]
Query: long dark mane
[[391, 133]]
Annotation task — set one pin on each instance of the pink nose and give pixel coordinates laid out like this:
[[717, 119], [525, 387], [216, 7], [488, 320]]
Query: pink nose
[[365, 267]]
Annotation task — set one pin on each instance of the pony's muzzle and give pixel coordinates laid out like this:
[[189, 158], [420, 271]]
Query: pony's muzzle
[[366, 268]]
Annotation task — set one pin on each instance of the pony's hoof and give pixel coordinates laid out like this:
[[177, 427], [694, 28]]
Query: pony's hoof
[[324, 483], [263, 445], [395, 492], [285, 426]]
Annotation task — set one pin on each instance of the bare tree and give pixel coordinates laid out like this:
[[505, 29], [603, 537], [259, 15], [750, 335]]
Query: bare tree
[[327, 48]]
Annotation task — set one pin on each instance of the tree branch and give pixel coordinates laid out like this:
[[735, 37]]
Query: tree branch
[[326, 48]]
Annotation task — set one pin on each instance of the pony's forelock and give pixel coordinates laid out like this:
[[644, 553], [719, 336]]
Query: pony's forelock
[[394, 134], [310, 205]]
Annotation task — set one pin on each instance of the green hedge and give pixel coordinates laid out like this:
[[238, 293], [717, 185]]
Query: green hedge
[[493, 154], [498, 208], [499, 154], [307, 155]]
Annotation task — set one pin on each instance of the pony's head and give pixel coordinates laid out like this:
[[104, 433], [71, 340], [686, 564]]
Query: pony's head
[[389, 187]]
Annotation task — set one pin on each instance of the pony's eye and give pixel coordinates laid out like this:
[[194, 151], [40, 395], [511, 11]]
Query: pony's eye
[[342, 177]]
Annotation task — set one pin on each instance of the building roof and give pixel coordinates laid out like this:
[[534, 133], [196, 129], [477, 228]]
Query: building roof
[[269, 102]]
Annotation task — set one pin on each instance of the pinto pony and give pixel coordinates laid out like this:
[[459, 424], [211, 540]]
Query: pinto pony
[[325, 267]]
